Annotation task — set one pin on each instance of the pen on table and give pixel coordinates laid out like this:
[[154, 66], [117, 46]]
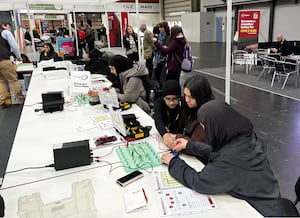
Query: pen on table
[[144, 194]]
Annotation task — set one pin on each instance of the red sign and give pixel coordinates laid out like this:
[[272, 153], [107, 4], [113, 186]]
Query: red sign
[[248, 26], [124, 22]]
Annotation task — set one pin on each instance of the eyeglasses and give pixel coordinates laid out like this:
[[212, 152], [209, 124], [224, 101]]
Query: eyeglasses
[[169, 100]]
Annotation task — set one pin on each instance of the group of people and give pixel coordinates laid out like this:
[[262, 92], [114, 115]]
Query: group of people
[[221, 138], [159, 50], [195, 124]]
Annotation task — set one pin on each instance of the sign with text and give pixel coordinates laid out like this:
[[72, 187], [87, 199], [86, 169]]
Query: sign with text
[[248, 27]]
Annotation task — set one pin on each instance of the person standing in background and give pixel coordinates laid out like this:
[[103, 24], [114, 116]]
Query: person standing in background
[[148, 48], [8, 70], [174, 52], [130, 42], [89, 37], [27, 37], [159, 61], [103, 35]]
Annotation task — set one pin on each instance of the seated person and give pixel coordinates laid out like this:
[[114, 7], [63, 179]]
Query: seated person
[[284, 47], [197, 91], [131, 88], [237, 162], [48, 53], [168, 108], [96, 64]]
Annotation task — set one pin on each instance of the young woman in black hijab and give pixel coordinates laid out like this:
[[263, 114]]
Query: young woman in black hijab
[[168, 108], [237, 164], [131, 88]]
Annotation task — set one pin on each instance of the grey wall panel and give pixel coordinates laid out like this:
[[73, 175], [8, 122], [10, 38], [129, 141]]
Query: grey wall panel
[[286, 21], [172, 7]]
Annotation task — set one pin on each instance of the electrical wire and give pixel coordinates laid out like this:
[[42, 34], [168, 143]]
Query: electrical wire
[[29, 168], [30, 105]]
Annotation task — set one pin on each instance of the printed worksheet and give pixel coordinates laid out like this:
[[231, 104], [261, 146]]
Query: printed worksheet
[[181, 200], [175, 199]]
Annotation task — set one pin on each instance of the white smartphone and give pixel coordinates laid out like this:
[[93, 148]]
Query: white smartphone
[[129, 178]]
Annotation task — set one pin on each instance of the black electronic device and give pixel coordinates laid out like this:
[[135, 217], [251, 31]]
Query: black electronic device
[[71, 154], [53, 101], [129, 178]]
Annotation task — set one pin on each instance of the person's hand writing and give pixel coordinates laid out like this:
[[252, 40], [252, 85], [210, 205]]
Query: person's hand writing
[[169, 140], [180, 144], [166, 158]]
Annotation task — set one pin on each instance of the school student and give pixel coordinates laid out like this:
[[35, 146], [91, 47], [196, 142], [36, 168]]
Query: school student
[[237, 164], [168, 108], [197, 91], [129, 74]]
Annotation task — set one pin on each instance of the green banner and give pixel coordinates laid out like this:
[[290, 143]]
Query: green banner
[[44, 7]]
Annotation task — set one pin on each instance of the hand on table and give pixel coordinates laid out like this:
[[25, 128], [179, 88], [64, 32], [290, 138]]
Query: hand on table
[[166, 158]]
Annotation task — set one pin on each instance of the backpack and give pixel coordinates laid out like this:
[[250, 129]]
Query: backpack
[[187, 61]]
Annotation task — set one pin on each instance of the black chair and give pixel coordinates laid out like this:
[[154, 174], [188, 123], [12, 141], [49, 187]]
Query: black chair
[[290, 207]]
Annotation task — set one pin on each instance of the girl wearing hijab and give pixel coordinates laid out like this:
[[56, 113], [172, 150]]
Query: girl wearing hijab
[[167, 108], [197, 91], [131, 87], [48, 53], [237, 164]]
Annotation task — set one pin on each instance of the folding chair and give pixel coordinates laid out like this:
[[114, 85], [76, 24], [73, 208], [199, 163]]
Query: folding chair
[[268, 64], [283, 69], [238, 58]]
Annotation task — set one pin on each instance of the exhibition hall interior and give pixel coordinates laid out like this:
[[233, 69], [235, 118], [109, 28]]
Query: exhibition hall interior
[[65, 150]]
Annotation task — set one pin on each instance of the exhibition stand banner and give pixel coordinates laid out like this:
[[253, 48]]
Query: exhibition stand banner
[[248, 28], [65, 46]]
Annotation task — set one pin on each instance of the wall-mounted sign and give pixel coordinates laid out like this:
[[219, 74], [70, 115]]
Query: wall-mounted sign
[[45, 7]]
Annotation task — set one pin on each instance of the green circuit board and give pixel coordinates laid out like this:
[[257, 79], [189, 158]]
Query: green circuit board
[[138, 156]]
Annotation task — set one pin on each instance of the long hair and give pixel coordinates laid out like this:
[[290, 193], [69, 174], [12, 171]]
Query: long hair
[[127, 34], [50, 46], [165, 25], [200, 89], [175, 30]]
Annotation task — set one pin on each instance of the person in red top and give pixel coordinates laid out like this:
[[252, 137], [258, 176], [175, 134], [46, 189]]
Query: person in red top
[[81, 44], [175, 47]]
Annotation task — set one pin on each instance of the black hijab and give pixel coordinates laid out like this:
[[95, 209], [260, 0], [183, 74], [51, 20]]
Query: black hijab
[[121, 63], [222, 123]]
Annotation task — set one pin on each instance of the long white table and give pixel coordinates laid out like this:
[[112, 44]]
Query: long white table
[[38, 132]]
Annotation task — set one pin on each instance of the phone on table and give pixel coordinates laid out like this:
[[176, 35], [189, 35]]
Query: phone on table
[[129, 178]]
